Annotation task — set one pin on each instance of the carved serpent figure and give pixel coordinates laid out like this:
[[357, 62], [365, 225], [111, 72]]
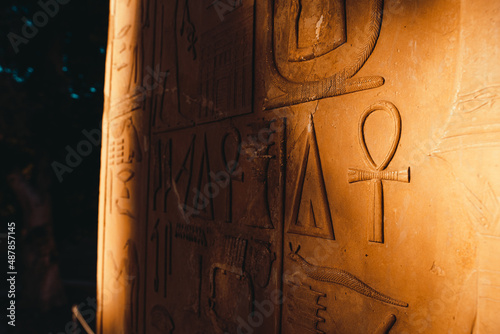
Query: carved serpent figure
[[342, 82], [342, 277]]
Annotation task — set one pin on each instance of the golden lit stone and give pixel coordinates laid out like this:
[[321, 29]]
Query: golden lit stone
[[300, 167]]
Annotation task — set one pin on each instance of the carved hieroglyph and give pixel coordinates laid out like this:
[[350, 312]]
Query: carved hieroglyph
[[310, 214], [306, 42], [248, 147], [378, 172]]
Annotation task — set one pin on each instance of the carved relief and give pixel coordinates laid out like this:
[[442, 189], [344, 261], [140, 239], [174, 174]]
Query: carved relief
[[473, 123], [129, 272], [162, 174], [219, 61], [161, 234], [184, 175], [188, 27], [386, 325], [133, 75], [341, 277], [226, 69], [124, 176], [311, 211], [161, 320], [308, 41], [204, 205], [167, 268], [126, 60], [124, 149], [128, 55], [155, 237], [225, 277], [193, 181], [482, 209], [191, 233], [159, 83], [303, 308], [378, 173], [231, 162], [238, 265], [258, 158], [123, 197], [341, 82], [159, 100], [124, 105], [200, 259], [199, 285], [123, 31], [260, 258]]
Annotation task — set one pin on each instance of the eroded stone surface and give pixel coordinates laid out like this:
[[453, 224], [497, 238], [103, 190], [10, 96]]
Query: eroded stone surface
[[300, 167]]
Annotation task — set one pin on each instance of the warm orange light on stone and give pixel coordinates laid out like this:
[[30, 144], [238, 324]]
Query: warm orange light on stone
[[292, 167]]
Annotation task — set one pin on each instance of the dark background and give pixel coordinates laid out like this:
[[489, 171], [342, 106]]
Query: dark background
[[50, 91]]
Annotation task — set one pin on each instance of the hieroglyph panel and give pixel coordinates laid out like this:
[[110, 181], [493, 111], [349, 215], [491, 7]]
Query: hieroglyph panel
[[295, 166]]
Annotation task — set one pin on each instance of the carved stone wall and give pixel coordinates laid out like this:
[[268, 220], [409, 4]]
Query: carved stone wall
[[295, 166]]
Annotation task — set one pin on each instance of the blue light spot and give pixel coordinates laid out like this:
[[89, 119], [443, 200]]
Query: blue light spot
[[30, 69], [1, 69], [102, 50], [17, 78], [93, 90], [29, 23], [70, 89], [75, 96], [65, 69], [14, 9], [8, 70]]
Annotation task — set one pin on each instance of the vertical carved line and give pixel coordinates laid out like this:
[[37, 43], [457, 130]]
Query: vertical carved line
[[200, 270], [167, 270], [386, 325], [283, 143], [175, 51]]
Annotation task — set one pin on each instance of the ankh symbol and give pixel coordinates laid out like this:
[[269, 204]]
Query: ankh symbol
[[378, 173]]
